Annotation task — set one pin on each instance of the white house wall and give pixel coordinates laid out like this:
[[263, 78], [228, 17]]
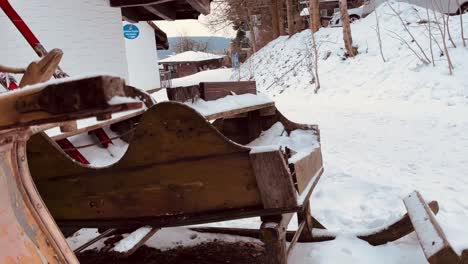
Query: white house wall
[[88, 31], [142, 58]]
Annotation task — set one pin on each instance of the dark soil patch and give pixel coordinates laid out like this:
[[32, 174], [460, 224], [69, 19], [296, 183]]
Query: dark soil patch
[[207, 253]]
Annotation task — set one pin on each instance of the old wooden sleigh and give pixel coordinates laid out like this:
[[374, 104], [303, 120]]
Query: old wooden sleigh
[[181, 168]]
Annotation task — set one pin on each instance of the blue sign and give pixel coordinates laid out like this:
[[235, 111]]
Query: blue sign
[[131, 31], [235, 60]]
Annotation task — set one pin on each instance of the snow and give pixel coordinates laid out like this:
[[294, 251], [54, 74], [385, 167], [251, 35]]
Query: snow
[[387, 129], [431, 241], [303, 142], [191, 56], [228, 103], [131, 240], [218, 75], [116, 100]]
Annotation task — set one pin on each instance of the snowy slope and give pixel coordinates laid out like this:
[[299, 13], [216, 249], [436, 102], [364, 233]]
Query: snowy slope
[[402, 77]]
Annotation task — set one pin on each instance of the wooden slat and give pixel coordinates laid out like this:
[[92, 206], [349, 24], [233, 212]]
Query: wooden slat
[[183, 94], [139, 244], [214, 90], [63, 101], [273, 179], [435, 245], [104, 234], [97, 125], [233, 112], [306, 169], [202, 6]]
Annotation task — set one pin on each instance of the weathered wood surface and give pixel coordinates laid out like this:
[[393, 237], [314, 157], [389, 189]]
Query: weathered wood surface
[[176, 164], [139, 244], [62, 101], [183, 94], [273, 235], [246, 109], [97, 125], [306, 167], [273, 179], [214, 90], [210, 91], [433, 241]]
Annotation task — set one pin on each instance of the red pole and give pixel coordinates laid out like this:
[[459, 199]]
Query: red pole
[[27, 34]]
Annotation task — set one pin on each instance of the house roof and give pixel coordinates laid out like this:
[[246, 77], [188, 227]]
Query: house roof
[[191, 56], [162, 42], [148, 10]]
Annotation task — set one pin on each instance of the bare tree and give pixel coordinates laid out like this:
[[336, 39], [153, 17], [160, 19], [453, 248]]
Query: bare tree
[[314, 15], [443, 33], [424, 57], [430, 36], [461, 23], [347, 37], [379, 38], [185, 43]]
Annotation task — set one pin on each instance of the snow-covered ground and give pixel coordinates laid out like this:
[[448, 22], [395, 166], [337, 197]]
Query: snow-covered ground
[[386, 129]]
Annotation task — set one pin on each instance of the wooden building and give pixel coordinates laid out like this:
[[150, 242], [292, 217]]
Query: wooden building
[[191, 62]]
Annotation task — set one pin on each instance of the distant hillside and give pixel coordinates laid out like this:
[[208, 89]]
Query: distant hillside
[[215, 44]]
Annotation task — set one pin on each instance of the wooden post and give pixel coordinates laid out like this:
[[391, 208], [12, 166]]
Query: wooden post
[[347, 37], [290, 17], [273, 235], [314, 15], [282, 30], [274, 19]]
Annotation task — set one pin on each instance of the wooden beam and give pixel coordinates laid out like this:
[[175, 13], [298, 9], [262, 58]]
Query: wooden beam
[[64, 101], [433, 241], [164, 11], [202, 6]]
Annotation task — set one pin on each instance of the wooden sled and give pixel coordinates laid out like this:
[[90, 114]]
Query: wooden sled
[[181, 170], [28, 233]]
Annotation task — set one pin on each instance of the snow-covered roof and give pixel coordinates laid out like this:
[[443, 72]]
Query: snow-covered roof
[[191, 56]]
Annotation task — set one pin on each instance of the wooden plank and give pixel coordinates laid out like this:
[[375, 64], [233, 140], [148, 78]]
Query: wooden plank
[[183, 94], [233, 112], [137, 245], [63, 101], [295, 238], [165, 11], [202, 6], [214, 90], [306, 169], [273, 179], [392, 232], [435, 245], [254, 125], [104, 234], [98, 124]]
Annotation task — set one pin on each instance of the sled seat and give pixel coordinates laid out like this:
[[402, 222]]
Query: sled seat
[[31, 234], [434, 243]]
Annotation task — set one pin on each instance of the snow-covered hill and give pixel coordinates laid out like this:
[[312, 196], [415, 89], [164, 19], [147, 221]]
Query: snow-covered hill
[[402, 77]]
